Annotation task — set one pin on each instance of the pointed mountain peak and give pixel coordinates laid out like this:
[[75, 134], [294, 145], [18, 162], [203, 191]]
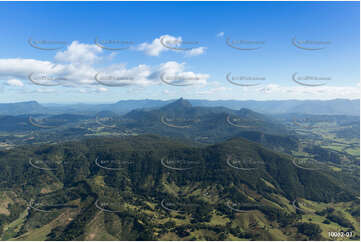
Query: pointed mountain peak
[[180, 103], [246, 111]]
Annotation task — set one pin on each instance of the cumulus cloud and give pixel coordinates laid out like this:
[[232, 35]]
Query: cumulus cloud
[[79, 53], [78, 75], [174, 73], [171, 67], [46, 73], [18, 67], [78, 70], [74, 76], [169, 43], [158, 45], [144, 75], [119, 75], [220, 34]]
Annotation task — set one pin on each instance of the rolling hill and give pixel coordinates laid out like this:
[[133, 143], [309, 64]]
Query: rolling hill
[[154, 188]]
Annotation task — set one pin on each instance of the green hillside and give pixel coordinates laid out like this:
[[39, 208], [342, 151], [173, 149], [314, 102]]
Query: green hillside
[[154, 188]]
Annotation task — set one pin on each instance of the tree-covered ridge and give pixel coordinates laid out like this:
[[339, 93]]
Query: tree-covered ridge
[[148, 183]]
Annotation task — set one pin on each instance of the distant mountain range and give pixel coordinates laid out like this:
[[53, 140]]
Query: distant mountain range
[[336, 106], [22, 108], [178, 119], [183, 121]]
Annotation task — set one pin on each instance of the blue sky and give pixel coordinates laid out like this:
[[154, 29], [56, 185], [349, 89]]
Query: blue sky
[[282, 34]]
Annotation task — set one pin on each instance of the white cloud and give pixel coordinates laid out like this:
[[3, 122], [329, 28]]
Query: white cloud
[[156, 47], [14, 83], [79, 53], [144, 75], [18, 67], [175, 74], [72, 75], [119, 75], [78, 71], [78, 75], [196, 51], [168, 43], [172, 67], [220, 34]]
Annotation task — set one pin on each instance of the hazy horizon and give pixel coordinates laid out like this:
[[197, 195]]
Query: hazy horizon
[[174, 99]]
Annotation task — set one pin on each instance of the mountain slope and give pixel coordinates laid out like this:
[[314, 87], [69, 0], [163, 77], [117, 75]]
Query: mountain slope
[[130, 188], [210, 124], [30, 107]]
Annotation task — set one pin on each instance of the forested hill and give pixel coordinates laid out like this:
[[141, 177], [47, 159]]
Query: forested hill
[[136, 174]]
